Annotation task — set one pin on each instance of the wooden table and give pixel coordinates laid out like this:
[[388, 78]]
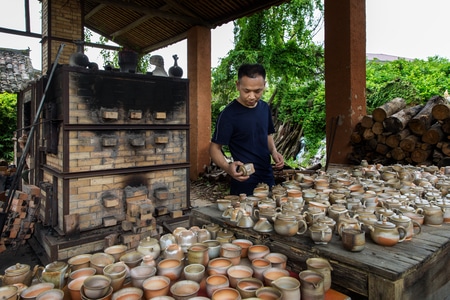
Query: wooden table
[[415, 269]]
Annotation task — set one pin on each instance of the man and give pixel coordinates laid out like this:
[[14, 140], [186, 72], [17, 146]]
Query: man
[[246, 127]]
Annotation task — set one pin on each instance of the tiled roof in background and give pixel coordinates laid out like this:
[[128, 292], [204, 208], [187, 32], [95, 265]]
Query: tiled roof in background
[[16, 70]]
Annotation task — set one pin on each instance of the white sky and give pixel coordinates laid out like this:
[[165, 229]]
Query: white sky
[[406, 28]]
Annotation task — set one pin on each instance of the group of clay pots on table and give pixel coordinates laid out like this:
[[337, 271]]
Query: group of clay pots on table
[[387, 203]]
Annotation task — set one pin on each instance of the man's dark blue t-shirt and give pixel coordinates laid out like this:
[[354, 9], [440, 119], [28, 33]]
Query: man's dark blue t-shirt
[[245, 131]]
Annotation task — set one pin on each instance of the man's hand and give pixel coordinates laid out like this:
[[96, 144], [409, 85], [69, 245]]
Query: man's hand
[[233, 171]]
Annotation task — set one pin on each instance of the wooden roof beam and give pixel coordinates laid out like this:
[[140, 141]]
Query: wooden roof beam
[[155, 12]]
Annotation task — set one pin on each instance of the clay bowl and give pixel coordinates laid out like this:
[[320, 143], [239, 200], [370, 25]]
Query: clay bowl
[[8, 292], [171, 268], [272, 274], [129, 293], [226, 293], [53, 294], [79, 261], [184, 289], [34, 290], [83, 272], [219, 266], [257, 251], [108, 295], [244, 244], [116, 270], [96, 286], [74, 287], [194, 272], [278, 260], [140, 273], [99, 261], [236, 273], [156, 286], [132, 259], [116, 251]]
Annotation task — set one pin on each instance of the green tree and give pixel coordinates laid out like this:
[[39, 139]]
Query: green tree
[[8, 121], [280, 38]]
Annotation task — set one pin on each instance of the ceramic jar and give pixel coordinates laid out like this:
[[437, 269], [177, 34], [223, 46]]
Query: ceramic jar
[[19, 273], [312, 285], [335, 210], [173, 251], [288, 225], [386, 233], [433, 215], [198, 254], [320, 233], [56, 273], [149, 246], [213, 229], [407, 223], [345, 221]]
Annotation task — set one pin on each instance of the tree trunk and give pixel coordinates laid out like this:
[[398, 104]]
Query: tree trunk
[[420, 155], [423, 120], [394, 140], [377, 128], [399, 120], [409, 143], [441, 111], [367, 121], [389, 108]]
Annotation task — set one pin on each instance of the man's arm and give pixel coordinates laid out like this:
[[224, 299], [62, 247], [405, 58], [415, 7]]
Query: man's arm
[[277, 157], [215, 151]]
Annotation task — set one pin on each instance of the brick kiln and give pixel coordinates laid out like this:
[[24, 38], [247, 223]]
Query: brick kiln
[[111, 148]]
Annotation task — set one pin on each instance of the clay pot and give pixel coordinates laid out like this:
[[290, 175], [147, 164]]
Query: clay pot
[[278, 260], [33, 291], [213, 248], [235, 273], [19, 273], [320, 233], [115, 270], [213, 229], [259, 266], [53, 294], [322, 266], [56, 273], [79, 261], [156, 286], [226, 293], [353, 240], [8, 292], [198, 254], [219, 266], [257, 251], [84, 272], [311, 285], [247, 287], [74, 287], [386, 233], [108, 295], [166, 240], [99, 261], [116, 251], [194, 272], [289, 287], [173, 251], [140, 273], [184, 289], [244, 244], [269, 292], [132, 259], [232, 252], [272, 274], [130, 293], [149, 246], [96, 286], [215, 282], [170, 268]]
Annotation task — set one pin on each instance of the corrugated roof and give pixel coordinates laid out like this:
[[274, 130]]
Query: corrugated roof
[[147, 25]]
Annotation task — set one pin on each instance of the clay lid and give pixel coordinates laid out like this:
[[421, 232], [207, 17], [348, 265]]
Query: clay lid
[[17, 269], [148, 242], [55, 266], [384, 224]]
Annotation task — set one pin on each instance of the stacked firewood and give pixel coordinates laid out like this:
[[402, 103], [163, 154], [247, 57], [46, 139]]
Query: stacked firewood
[[397, 133]]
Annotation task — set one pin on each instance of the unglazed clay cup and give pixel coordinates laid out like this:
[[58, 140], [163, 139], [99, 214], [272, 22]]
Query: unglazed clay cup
[[156, 286]]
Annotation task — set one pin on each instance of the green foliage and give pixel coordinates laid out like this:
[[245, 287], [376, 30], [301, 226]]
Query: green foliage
[[416, 81], [280, 38], [8, 123]]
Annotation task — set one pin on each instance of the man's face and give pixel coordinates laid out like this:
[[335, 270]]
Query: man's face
[[250, 90]]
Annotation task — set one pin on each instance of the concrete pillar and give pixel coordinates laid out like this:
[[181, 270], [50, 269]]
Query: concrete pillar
[[199, 75], [345, 74], [62, 22]]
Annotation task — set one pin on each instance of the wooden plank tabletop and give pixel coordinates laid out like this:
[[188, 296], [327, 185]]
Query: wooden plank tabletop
[[391, 263]]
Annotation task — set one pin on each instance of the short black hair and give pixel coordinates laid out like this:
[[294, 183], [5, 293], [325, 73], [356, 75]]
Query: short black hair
[[252, 71]]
